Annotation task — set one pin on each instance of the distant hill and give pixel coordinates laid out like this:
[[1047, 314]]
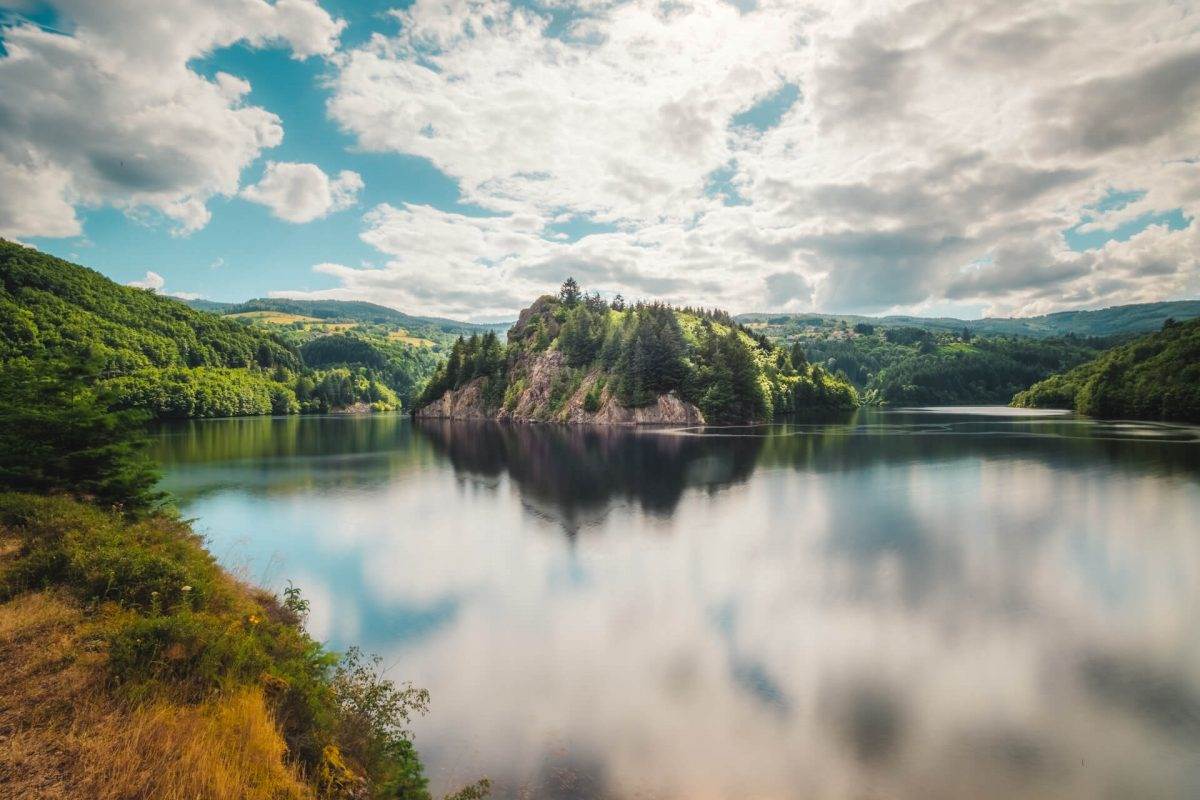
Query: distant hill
[[1114, 321], [350, 311], [211, 306], [1154, 377]]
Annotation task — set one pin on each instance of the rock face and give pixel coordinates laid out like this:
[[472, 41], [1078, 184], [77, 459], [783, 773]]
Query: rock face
[[535, 380], [465, 402]]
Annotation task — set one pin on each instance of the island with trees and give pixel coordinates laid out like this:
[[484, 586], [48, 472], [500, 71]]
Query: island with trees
[[577, 358]]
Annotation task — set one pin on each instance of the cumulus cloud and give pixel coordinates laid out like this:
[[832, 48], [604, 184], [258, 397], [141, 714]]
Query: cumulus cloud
[[935, 151], [303, 192], [157, 283], [113, 113], [153, 281]]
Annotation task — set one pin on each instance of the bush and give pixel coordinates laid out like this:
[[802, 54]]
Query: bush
[[199, 651]]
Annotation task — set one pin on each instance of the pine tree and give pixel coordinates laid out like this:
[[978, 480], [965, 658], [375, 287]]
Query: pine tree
[[56, 433], [569, 294]]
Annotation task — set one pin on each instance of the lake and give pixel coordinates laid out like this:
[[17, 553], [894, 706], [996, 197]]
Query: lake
[[938, 603]]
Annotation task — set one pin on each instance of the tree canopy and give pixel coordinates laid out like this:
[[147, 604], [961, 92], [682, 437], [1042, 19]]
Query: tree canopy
[[1153, 377]]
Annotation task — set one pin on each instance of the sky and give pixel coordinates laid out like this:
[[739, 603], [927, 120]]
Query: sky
[[460, 157]]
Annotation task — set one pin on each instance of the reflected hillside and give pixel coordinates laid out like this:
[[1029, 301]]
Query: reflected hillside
[[577, 472], [875, 438], [286, 455], [277, 437]]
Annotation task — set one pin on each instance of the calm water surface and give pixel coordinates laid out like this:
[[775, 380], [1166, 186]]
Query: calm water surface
[[937, 603]]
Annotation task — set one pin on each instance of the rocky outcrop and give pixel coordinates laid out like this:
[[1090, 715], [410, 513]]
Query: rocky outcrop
[[532, 393], [354, 408], [466, 402]]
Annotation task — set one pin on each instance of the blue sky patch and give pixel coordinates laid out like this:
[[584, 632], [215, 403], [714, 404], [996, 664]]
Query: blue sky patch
[[767, 113]]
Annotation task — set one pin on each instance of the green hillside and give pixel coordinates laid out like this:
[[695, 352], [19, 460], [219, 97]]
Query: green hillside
[[156, 353], [1114, 321], [50, 306], [367, 315], [914, 366], [1154, 377]]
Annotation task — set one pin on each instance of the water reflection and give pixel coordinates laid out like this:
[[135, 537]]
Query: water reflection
[[890, 605], [574, 474]]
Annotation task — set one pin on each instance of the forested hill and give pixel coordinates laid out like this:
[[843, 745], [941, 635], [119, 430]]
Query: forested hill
[[156, 353], [1113, 321], [349, 311], [579, 358], [53, 307], [1154, 377]]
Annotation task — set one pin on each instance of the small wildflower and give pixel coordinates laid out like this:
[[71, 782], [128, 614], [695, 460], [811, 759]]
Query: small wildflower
[[253, 620]]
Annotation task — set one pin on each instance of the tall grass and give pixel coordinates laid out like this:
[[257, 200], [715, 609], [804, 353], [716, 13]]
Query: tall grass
[[133, 666]]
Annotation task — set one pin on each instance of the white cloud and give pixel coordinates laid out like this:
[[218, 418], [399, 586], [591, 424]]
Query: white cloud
[[153, 281], [113, 113], [157, 283], [929, 138], [623, 117], [303, 192]]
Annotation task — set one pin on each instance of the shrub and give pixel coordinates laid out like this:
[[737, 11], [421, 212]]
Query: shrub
[[197, 650]]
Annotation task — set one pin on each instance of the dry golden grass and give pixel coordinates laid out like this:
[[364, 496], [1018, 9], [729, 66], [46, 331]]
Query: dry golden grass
[[64, 733], [407, 338], [272, 317]]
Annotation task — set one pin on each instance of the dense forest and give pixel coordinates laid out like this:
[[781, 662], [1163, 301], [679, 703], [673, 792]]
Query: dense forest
[[913, 366], [633, 354], [157, 354], [1154, 377]]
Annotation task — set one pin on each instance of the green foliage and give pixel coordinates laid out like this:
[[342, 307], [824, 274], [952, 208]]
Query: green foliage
[[342, 348], [582, 335], [157, 354], [58, 434], [480, 357], [913, 366], [324, 391], [52, 308], [374, 723], [591, 401], [179, 393], [200, 651], [569, 294], [987, 370], [651, 355], [562, 388], [1154, 377]]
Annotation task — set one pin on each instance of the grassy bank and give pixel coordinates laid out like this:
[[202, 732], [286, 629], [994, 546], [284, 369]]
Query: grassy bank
[[133, 666]]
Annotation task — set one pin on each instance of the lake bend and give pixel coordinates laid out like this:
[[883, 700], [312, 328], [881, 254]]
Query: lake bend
[[910, 603]]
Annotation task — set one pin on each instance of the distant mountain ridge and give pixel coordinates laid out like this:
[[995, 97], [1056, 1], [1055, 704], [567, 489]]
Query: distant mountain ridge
[[357, 310], [1133, 318], [1113, 321]]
